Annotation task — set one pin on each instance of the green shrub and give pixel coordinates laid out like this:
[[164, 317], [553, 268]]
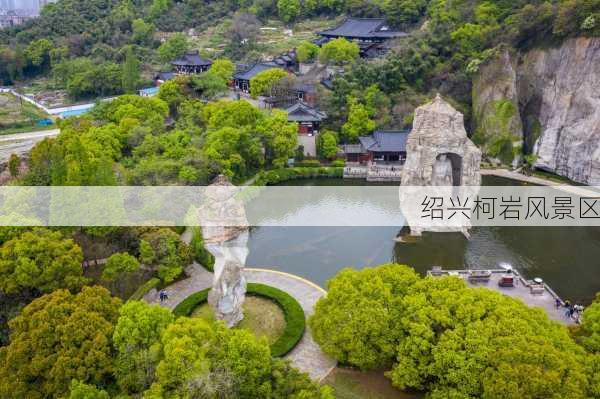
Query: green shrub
[[199, 252], [144, 288], [308, 163], [337, 163], [295, 321], [187, 306], [275, 176]]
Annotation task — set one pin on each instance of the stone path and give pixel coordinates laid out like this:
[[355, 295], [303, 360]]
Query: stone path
[[306, 356]]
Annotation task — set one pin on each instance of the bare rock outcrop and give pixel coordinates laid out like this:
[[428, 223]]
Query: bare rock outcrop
[[558, 95]]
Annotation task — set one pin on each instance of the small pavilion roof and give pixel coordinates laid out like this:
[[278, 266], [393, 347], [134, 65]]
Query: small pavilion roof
[[255, 70], [301, 112], [363, 28], [385, 141], [191, 58]]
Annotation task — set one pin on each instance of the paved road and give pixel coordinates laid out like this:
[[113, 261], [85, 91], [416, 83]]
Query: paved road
[[21, 143]]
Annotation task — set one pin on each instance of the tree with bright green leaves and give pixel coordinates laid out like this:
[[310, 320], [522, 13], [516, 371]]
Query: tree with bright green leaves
[[233, 151], [280, 137], [307, 51], [58, 338], [288, 9], [119, 264], [173, 93], [37, 53], [590, 327], [263, 82], [131, 72], [159, 7], [80, 390], [209, 85], [357, 322], [171, 254], [201, 359], [327, 145], [479, 343], [224, 113], [358, 123], [175, 46], [339, 51], [224, 68], [40, 260], [142, 32], [137, 341]]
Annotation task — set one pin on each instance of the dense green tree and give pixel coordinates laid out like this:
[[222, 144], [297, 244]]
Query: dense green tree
[[37, 53], [288, 9], [171, 254], [40, 260], [57, 338], [327, 145], [234, 114], [357, 322], [80, 390], [590, 328], [307, 52], [119, 264], [339, 51], [280, 137], [175, 46], [131, 72], [173, 93], [209, 85], [233, 151], [136, 338], [13, 164], [358, 123], [263, 82], [142, 32], [224, 68]]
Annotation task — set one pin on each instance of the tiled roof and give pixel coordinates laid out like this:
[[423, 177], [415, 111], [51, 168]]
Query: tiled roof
[[255, 70], [363, 28], [385, 141], [164, 76], [191, 58], [300, 112]]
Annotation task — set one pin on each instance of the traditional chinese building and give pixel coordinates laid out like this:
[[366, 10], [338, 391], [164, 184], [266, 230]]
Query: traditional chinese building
[[370, 33], [190, 63], [162, 77], [308, 119], [383, 146], [241, 80]]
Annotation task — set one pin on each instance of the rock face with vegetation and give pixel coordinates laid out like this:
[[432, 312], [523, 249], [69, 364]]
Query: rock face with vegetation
[[496, 108], [558, 107]]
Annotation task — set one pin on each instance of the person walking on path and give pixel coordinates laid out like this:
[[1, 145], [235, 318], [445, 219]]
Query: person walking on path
[[163, 296]]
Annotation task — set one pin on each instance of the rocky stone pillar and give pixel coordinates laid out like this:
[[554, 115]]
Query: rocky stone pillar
[[225, 231]]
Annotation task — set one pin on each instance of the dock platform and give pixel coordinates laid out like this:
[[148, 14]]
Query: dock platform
[[530, 292]]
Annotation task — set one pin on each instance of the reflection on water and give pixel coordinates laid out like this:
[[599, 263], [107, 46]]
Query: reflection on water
[[566, 257]]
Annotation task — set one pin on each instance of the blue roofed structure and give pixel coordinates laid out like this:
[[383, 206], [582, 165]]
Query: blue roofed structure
[[381, 146], [241, 80]]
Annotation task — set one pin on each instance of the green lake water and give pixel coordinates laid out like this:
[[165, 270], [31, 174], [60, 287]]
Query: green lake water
[[568, 259]]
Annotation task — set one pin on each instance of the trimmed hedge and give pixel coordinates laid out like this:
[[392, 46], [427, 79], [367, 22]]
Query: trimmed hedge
[[144, 288], [275, 176], [199, 252], [187, 306], [295, 320]]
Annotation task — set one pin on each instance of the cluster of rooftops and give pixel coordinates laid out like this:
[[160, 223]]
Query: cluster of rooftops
[[372, 35]]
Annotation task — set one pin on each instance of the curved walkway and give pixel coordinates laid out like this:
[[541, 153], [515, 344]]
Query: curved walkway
[[306, 356]]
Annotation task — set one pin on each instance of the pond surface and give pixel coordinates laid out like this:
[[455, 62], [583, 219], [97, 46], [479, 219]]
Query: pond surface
[[568, 259]]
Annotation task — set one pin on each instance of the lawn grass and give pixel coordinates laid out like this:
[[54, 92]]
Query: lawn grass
[[262, 317]]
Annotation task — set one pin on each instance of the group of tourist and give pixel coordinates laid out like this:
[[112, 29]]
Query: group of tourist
[[163, 296], [572, 311]]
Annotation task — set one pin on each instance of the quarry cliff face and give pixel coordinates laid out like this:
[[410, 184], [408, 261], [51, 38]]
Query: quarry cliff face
[[555, 96]]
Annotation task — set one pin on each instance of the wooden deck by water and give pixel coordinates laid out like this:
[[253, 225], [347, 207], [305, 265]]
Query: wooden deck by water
[[546, 299]]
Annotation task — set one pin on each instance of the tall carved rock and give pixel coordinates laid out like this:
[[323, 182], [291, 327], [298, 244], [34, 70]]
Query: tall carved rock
[[224, 227], [438, 151]]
